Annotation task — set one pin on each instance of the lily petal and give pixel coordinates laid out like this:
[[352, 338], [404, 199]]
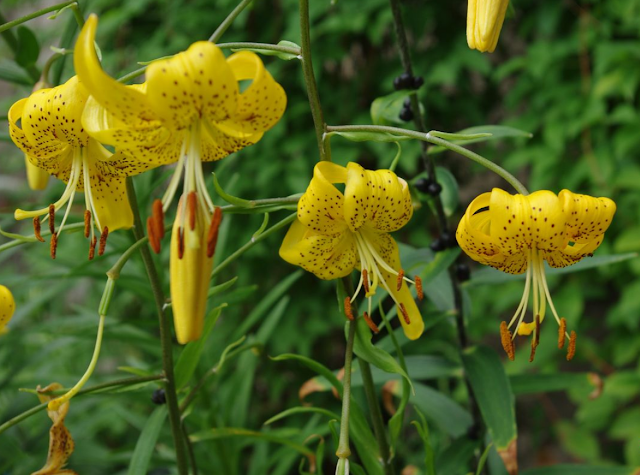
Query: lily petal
[[326, 256]]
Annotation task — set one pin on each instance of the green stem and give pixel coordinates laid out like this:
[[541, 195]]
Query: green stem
[[33, 15], [289, 219], [310, 80], [229, 20], [190, 451], [265, 46], [30, 239], [165, 333], [344, 451], [91, 389], [427, 137], [376, 416]]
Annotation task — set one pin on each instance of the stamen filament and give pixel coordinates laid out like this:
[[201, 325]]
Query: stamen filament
[[87, 189], [167, 198], [523, 300]]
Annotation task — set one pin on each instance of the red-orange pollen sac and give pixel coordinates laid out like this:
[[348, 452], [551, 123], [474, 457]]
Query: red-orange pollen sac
[[103, 240], [507, 341], [36, 229], [372, 325], [87, 223], [192, 203], [54, 245], [571, 351], [419, 289], [52, 217], [399, 280], [562, 330], [180, 243], [158, 218], [535, 341], [365, 280], [212, 237], [92, 248], [405, 314], [348, 312], [154, 240]]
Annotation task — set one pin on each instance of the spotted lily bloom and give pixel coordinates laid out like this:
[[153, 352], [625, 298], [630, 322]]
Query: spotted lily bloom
[[47, 127], [484, 22], [7, 307], [336, 233], [189, 111], [61, 443], [516, 234]]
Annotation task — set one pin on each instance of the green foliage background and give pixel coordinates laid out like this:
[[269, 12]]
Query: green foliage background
[[568, 72]]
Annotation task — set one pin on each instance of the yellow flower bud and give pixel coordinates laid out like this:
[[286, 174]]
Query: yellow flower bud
[[37, 177], [484, 22], [7, 307], [190, 266]]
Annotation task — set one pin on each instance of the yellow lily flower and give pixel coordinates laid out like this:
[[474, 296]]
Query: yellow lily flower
[[47, 127], [189, 111], [484, 22], [516, 234], [61, 444], [7, 307], [336, 233]]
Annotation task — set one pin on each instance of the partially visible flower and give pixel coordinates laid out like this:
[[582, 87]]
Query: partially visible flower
[[47, 127], [516, 234], [189, 111], [61, 443], [336, 233], [7, 307], [484, 22]]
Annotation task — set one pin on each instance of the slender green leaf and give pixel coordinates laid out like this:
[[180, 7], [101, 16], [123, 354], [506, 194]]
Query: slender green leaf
[[278, 54], [313, 366], [28, 47], [302, 410], [371, 136], [495, 132], [495, 399], [225, 432], [147, 441]]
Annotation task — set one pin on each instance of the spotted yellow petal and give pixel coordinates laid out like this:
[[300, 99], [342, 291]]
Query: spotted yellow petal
[[326, 256], [217, 144], [377, 199], [387, 248], [126, 103], [7, 306], [321, 207], [192, 84]]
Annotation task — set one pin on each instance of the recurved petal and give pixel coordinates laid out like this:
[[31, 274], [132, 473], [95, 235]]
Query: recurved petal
[[261, 105], [110, 200], [321, 207], [217, 144], [326, 256], [126, 103], [191, 84], [377, 199], [587, 217], [387, 248]]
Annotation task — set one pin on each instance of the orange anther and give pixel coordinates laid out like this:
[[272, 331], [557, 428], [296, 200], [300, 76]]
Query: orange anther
[[36, 229], [192, 203], [158, 218], [533, 352], [212, 237], [348, 312], [92, 248], [103, 241], [52, 217], [373, 326], [399, 280], [536, 334], [365, 280], [419, 289], [571, 351], [180, 242], [54, 245], [87, 223], [562, 330], [154, 240], [405, 314], [507, 341]]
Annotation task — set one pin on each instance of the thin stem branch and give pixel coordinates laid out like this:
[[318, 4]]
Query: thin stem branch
[[310, 80], [344, 451], [264, 46], [376, 416], [229, 20], [33, 15], [91, 389], [427, 137], [165, 334]]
